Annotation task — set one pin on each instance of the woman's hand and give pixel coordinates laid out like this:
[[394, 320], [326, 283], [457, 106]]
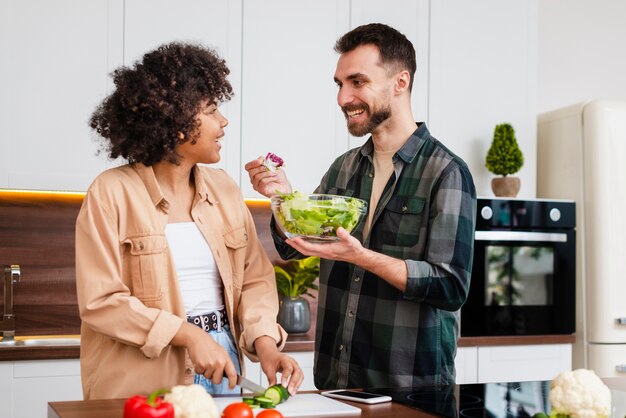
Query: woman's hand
[[209, 358], [266, 182], [273, 361]]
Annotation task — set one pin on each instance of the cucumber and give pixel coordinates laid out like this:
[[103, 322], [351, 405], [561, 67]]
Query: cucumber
[[267, 405], [249, 401], [264, 402], [277, 393]]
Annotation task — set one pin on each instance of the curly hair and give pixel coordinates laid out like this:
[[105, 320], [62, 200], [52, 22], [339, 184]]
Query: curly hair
[[157, 99], [393, 46]]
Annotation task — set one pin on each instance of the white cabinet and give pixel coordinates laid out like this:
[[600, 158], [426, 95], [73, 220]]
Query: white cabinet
[[518, 363], [483, 58], [466, 365], [56, 57], [289, 104], [213, 23], [509, 363], [26, 387], [607, 360], [512, 363]]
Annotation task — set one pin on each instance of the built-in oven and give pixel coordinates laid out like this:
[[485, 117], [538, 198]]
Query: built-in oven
[[524, 270]]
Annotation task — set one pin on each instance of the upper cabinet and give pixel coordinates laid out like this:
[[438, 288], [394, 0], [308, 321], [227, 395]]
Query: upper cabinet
[[55, 57], [288, 98], [289, 103], [475, 68], [212, 23]]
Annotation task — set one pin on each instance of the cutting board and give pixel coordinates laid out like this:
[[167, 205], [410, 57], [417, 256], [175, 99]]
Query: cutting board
[[302, 405]]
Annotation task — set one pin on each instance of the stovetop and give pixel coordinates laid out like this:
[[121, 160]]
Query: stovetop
[[488, 400]]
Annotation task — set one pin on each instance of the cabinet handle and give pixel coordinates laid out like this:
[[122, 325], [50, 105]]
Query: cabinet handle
[[621, 368], [620, 321]]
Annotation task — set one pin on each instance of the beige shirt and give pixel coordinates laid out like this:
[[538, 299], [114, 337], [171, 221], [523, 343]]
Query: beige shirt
[[128, 294], [383, 168]]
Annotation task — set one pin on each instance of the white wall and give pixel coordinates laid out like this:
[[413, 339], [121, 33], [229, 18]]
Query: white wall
[[581, 52]]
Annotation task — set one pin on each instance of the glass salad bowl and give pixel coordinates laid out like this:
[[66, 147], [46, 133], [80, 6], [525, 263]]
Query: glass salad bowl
[[316, 217]]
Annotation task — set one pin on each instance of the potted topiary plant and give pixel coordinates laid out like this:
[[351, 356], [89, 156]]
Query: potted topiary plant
[[504, 158], [294, 279]]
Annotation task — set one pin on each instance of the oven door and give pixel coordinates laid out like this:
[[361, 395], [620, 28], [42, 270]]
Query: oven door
[[523, 283]]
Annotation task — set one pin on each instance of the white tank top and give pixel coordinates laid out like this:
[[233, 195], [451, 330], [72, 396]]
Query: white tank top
[[198, 277]]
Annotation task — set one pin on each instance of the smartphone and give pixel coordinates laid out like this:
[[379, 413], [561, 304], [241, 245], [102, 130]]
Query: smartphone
[[356, 396]]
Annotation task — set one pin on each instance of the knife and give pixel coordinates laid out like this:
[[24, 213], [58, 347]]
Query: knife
[[250, 385]]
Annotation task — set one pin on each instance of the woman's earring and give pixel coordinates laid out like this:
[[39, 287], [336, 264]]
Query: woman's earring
[[181, 137]]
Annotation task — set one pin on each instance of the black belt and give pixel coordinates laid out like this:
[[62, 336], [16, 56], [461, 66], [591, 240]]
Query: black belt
[[213, 321]]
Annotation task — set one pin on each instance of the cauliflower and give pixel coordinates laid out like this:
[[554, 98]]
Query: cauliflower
[[580, 394], [192, 401]]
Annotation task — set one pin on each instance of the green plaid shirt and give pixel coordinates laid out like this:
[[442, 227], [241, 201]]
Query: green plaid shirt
[[369, 334]]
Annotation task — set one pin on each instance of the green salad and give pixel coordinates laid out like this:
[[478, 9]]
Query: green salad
[[318, 215]]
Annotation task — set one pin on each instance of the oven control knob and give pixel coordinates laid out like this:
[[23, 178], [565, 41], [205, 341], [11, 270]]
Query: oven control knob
[[555, 214], [486, 212]]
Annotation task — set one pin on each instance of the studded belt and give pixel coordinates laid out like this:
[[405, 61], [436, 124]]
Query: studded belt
[[212, 321]]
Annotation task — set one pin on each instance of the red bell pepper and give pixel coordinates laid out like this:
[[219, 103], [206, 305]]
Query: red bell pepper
[[152, 406]]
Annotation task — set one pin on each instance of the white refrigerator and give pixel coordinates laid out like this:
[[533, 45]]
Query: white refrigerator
[[581, 155]]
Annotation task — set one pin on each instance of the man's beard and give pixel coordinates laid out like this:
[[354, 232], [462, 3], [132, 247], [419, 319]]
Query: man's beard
[[376, 118]]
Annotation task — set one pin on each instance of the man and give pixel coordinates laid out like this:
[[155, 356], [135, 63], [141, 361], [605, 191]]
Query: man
[[389, 300]]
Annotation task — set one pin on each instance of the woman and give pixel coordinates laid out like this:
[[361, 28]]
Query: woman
[[173, 284]]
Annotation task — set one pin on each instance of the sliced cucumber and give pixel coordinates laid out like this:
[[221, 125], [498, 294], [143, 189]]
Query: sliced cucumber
[[267, 405], [265, 402], [249, 401], [277, 393], [274, 394], [262, 398]]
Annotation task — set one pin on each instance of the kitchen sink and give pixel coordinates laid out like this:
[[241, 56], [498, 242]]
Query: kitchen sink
[[41, 341]]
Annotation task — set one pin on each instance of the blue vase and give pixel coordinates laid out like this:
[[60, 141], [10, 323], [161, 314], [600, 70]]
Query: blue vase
[[294, 314]]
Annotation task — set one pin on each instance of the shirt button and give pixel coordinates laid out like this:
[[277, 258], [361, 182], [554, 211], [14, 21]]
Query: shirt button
[[340, 347], [350, 314], [140, 245], [370, 175], [404, 208], [357, 279]]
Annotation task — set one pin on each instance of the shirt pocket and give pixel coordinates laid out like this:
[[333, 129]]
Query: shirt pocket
[[148, 267], [236, 242], [402, 220]]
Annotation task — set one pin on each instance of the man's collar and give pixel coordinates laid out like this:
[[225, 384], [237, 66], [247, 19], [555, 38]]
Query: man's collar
[[411, 147]]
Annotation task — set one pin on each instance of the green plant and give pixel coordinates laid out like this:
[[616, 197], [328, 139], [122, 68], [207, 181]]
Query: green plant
[[504, 156], [297, 277]]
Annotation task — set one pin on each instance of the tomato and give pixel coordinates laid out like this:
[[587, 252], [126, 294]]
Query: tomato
[[269, 413], [238, 410]]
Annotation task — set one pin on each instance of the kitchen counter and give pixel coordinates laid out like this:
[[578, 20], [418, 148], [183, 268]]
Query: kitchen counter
[[113, 409], [295, 343]]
